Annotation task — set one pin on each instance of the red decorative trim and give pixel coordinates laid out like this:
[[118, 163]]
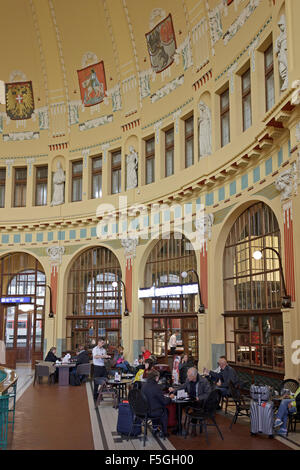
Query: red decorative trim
[[202, 80], [203, 275], [61, 146], [131, 125], [289, 252], [54, 283], [128, 283]]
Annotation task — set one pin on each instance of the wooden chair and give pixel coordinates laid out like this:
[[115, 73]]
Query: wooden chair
[[106, 391], [84, 370], [242, 404]]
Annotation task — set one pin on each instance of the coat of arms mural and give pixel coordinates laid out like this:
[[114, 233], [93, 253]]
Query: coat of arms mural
[[161, 44], [19, 100], [92, 84]]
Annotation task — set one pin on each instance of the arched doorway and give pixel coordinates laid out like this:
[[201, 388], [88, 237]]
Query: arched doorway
[[22, 325], [94, 305], [252, 293], [163, 310]]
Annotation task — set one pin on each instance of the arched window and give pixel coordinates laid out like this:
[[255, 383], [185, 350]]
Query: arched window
[[23, 333], [94, 305], [252, 291], [163, 310]]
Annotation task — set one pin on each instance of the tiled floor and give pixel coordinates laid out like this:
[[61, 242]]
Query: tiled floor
[[58, 417]]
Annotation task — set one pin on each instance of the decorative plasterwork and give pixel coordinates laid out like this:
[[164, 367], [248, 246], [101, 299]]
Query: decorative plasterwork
[[165, 90], [92, 123], [204, 225], [20, 136], [241, 20], [74, 112], [155, 16], [185, 51], [55, 254], [286, 183], [130, 245], [296, 94], [89, 58], [115, 95], [17, 76]]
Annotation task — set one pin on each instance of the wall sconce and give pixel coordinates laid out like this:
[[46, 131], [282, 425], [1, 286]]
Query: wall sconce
[[286, 301], [184, 274], [115, 284], [51, 314]]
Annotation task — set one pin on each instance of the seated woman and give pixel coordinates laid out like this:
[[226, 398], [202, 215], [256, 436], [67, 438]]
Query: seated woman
[[156, 400], [120, 360], [287, 406], [51, 357], [148, 368]]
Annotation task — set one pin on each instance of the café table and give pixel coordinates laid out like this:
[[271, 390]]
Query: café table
[[180, 404], [121, 386], [63, 372]]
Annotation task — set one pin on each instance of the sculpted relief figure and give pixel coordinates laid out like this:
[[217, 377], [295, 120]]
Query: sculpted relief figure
[[204, 130], [59, 186], [281, 52], [204, 225], [286, 183], [132, 169]]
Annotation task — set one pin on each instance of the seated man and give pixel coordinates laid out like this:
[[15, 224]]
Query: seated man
[[156, 400], [82, 358], [226, 375], [196, 386], [120, 360], [287, 406]]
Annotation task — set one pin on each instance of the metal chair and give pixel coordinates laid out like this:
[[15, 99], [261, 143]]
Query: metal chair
[[43, 371], [290, 384], [242, 404], [106, 391], [293, 420], [84, 370], [202, 413], [140, 408]]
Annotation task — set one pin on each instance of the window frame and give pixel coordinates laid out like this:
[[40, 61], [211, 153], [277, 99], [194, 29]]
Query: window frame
[[3, 184], [168, 148], [95, 172], [116, 168], [76, 177], [223, 113], [39, 181], [149, 156], [268, 72], [245, 94], [187, 138], [20, 183]]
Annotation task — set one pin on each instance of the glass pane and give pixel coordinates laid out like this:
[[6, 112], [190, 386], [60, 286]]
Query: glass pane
[[149, 170], [22, 331], [270, 91], [170, 137], [116, 181], [9, 328], [225, 100], [267, 357], [169, 163], [77, 168], [2, 195], [247, 118], [42, 172], [97, 163], [159, 343], [278, 351], [242, 348], [41, 194], [116, 158], [246, 81], [242, 323], [189, 149], [277, 322], [189, 126], [225, 129], [97, 186], [77, 189], [150, 146]]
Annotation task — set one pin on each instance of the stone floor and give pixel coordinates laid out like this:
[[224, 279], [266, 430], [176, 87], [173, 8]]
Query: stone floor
[[54, 417]]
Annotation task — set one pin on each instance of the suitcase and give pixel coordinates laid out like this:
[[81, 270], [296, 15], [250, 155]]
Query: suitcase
[[260, 393], [262, 417], [125, 424], [172, 419]]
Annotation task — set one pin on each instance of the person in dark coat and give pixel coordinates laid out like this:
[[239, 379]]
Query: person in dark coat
[[226, 375], [156, 400], [51, 357], [185, 364], [196, 386], [82, 358]]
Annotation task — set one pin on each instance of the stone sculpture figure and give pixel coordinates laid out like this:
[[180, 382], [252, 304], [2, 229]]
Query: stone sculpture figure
[[281, 52], [204, 225], [285, 183], [131, 169], [204, 130], [59, 186]]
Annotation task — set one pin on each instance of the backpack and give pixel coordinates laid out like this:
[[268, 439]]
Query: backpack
[[75, 380]]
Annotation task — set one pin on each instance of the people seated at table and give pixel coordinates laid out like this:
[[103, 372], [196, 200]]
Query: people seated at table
[[148, 367], [145, 353], [99, 354], [287, 406], [51, 355], [186, 363], [119, 360], [156, 400], [226, 375]]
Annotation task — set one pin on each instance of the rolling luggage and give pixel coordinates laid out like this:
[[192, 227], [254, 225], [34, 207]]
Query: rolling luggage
[[125, 424], [172, 419], [262, 417], [260, 393]]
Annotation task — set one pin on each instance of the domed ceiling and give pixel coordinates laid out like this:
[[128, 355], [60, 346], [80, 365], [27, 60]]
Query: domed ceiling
[[107, 55]]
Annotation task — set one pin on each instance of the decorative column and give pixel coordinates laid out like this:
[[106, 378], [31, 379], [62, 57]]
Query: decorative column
[[55, 254], [204, 232], [129, 245], [286, 184]]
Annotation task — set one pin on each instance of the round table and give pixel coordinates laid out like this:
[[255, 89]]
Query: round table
[[121, 386]]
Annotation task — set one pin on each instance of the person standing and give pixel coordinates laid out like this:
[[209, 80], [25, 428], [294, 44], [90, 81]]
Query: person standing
[[172, 343], [99, 354]]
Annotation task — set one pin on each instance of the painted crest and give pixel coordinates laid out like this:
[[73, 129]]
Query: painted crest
[[161, 44], [19, 100], [92, 84]]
